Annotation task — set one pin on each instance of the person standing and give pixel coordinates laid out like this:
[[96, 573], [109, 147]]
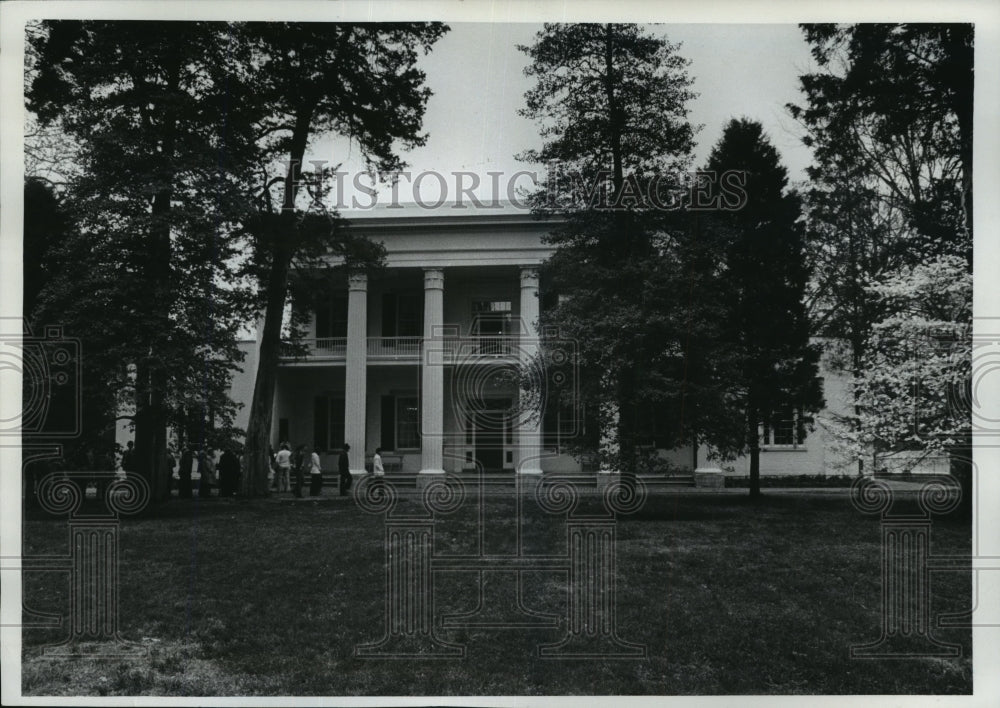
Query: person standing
[[170, 463], [229, 473], [128, 457], [378, 470], [184, 474], [344, 468], [283, 464], [315, 474], [206, 467], [299, 461]]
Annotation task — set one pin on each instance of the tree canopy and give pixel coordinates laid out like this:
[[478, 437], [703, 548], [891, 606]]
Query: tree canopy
[[889, 118], [164, 150], [359, 81]]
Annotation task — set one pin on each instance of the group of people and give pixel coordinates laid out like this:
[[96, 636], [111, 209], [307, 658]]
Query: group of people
[[305, 461], [225, 476]]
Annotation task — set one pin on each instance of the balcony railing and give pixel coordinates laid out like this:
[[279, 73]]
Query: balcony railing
[[482, 346], [394, 347], [332, 347], [458, 349]]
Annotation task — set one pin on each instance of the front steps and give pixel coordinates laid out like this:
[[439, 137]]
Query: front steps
[[497, 481]]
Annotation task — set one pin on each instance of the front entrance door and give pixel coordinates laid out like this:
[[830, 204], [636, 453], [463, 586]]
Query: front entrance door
[[490, 422]]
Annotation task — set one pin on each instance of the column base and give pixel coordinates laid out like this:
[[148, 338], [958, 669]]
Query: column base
[[416, 645], [593, 645], [116, 648], [526, 481], [895, 647], [424, 477], [604, 478]]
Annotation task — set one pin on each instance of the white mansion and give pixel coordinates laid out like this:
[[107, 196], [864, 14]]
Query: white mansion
[[412, 362]]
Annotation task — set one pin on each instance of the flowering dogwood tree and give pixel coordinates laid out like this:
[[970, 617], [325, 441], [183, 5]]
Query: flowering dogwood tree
[[918, 362]]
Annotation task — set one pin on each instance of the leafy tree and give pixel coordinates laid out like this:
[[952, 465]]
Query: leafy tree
[[889, 118], [163, 156], [774, 368], [894, 106], [46, 224], [358, 81], [918, 361], [611, 101]]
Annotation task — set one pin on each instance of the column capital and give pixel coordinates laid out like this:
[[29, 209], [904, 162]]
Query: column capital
[[357, 281], [433, 279], [529, 277]]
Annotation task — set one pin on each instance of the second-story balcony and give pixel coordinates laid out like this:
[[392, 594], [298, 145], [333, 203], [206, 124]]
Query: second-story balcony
[[407, 349]]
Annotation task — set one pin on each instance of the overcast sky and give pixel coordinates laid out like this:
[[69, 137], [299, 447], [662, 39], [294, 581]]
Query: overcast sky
[[476, 74]]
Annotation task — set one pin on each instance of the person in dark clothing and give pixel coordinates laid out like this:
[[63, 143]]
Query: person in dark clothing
[[206, 472], [184, 488], [315, 473], [169, 463], [128, 457], [229, 473], [344, 468], [299, 463]]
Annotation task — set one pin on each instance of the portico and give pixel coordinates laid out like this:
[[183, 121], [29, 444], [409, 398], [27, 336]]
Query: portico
[[424, 358]]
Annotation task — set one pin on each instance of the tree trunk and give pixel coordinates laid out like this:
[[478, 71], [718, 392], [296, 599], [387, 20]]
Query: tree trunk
[[962, 83], [159, 474], [151, 383], [960, 463], [754, 437], [614, 118], [256, 461]]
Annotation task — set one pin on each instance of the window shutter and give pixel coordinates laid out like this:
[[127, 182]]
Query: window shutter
[[388, 438], [321, 413], [389, 315], [323, 315]]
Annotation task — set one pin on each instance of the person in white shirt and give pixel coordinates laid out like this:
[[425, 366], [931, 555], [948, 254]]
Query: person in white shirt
[[377, 467], [284, 461], [315, 474]]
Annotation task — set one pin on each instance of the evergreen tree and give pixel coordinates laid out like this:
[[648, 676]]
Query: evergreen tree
[[766, 331], [159, 114], [611, 101]]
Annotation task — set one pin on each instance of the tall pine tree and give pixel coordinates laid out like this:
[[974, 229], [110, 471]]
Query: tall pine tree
[[611, 101], [766, 331], [164, 126]]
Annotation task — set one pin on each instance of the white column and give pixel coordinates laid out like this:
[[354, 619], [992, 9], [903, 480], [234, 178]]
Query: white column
[[432, 376], [356, 379], [530, 421]]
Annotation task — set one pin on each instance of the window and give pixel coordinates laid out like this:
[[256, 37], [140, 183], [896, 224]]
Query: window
[[328, 423], [559, 424], [491, 318], [402, 314], [786, 429], [331, 318], [407, 423], [409, 316]]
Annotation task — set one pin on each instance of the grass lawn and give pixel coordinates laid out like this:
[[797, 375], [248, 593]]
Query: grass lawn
[[729, 597]]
